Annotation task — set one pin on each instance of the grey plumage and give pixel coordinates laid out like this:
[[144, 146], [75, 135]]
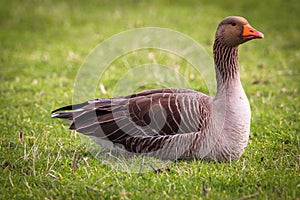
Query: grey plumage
[[177, 123]]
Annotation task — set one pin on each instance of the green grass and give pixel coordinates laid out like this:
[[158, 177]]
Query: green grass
[[43, 44]]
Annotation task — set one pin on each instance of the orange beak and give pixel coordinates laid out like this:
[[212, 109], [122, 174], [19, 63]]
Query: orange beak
[[251, 33]]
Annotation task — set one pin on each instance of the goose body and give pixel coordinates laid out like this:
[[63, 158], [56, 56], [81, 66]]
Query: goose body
[[178, 123]]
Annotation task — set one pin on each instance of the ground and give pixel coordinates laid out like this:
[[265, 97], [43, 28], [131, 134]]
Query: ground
[[43, 45]]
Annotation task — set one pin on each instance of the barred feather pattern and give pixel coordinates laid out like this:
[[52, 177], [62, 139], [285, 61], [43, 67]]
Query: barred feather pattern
[[145, 122], [175, 123], [226, 62]]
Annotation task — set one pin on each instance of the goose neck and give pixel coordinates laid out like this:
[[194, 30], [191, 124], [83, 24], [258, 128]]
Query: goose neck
[[226, 63]]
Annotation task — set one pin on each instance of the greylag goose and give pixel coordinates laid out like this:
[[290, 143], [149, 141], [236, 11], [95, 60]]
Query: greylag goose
[[178, 123]]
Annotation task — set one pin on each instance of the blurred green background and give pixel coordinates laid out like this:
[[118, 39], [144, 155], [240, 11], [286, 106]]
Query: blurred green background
[[44, 43]]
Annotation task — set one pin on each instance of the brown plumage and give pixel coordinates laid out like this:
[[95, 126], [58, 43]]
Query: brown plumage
[[178, 123]]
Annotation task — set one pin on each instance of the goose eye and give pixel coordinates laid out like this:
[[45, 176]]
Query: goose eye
[[233, 24]]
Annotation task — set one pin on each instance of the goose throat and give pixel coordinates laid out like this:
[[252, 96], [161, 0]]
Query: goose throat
[[226, 63]]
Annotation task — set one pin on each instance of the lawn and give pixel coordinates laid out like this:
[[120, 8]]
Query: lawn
[[43, 46]]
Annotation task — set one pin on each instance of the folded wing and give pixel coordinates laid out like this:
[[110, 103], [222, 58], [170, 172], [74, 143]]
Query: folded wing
[[141, 122]]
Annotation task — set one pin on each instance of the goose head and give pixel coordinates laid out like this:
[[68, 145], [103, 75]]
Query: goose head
[[233, 31]]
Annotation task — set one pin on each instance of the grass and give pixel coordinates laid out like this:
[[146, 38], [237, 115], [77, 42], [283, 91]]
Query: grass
[[43, 44]]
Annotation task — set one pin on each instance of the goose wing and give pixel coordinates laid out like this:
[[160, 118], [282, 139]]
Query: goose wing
[[136, 121]]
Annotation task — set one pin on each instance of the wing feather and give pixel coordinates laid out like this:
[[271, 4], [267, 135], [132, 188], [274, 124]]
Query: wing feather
[[141, 122]]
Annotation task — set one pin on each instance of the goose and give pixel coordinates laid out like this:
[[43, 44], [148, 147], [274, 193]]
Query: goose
[[174, 123]]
